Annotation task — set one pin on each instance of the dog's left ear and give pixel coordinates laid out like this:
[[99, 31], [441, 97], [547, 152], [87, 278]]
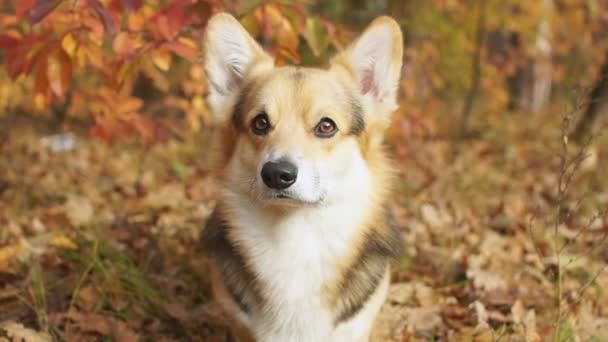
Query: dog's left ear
[[230, 54], [374, 59]]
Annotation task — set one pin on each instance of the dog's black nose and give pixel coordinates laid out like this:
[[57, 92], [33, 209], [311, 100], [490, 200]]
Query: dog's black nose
[[280, 174]]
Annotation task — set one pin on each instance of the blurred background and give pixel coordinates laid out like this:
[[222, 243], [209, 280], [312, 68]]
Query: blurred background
[[502, 195]]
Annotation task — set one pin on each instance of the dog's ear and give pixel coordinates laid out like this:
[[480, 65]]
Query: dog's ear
[[374, 59], [230, 54]]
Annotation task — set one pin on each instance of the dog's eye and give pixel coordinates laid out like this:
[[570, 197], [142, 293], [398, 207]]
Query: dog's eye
[[326, 128], [260, 125]]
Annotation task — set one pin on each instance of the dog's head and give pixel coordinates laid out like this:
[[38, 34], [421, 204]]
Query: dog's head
[[300, 136]]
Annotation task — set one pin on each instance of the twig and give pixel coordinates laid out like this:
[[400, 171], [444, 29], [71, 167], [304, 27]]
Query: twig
[[476, 67]]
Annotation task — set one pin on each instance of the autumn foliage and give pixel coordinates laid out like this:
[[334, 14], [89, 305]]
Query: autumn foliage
[[85, 57], [132, 65]]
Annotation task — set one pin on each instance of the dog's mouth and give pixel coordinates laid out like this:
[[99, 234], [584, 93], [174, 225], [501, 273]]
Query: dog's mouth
[[288, 198]]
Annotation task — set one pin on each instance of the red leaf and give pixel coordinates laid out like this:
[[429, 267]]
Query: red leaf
[[41, 9], [14, 64], [18, 61], [7, 42], [120, 5], [107, 20], [132, 4], [172, 19], [23, 6]]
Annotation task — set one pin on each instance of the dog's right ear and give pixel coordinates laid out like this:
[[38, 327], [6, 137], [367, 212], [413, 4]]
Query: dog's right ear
[[230, 54]]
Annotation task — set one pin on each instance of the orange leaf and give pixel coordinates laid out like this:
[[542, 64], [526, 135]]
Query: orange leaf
[[41, 82], [125, 44], [136, 21], [279, 26], [129, 105], [183, 50], [59, 72]]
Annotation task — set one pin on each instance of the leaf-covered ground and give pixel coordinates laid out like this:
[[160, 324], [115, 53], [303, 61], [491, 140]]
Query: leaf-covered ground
[[99, 243]]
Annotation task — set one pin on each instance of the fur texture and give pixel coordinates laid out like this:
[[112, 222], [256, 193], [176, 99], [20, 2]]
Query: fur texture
[[309, 262]]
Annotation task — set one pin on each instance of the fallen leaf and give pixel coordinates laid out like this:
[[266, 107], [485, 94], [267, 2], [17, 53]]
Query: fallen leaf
[[79, 210], [176, 310], [88, 297], [7, 253], [19, 332], [423, 321], [93, 323], [63, 241], [482, 316], [167, 196], [122, 333]]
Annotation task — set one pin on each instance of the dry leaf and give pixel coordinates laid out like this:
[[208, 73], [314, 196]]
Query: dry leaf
[[63, 241], [482, 316], [7, 253], [423, 321], [517, 312], [79, 210], [530, 327], [167, 196], [176, 310], [18, 332]]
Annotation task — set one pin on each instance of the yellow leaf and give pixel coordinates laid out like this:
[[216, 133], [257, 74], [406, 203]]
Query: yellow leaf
[[69, 44], [95, 57], [198, 103], [39, 102], [62, 241], [187, 41], [193, 120], [7, 254], [251, 24], [81, 57], [162, 59], [316, 35]]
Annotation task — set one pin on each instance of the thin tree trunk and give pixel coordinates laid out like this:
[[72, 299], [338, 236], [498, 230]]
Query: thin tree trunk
[[475, 68], [542, 70], [597, 101]]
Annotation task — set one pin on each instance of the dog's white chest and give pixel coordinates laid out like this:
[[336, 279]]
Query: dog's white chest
[[295, 258]]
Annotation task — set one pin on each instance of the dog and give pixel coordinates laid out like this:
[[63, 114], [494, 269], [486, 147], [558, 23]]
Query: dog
[[301, 238]]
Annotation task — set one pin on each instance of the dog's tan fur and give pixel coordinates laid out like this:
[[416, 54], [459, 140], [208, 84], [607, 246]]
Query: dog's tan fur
[[349, 276]]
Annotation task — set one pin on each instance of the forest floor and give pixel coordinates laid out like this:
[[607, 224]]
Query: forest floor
[[99, 242]]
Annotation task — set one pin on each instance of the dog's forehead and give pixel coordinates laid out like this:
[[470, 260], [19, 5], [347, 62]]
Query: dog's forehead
[[304, 84]]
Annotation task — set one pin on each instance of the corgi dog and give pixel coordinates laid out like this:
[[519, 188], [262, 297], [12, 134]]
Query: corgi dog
[[301, 237]]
